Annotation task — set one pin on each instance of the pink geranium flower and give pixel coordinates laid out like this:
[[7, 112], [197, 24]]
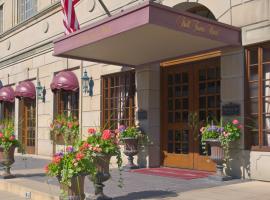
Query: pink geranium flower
[[1, 135], [235, 122], [91, 131], [46, 169], [12, 138], [79, 156], [106, 135]]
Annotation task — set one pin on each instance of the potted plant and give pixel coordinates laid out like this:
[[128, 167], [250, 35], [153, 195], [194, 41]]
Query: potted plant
[[101, 146], [8, 143], [70, 168], [219, 137], [131, 137], [65, 130]]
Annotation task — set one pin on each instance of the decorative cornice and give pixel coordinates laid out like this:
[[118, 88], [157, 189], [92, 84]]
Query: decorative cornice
[[31, 19]]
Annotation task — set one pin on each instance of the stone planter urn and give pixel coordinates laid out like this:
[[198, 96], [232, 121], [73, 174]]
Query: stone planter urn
[[6, 160], [75, 191], [130, 150], [217, 155], [102, 164]]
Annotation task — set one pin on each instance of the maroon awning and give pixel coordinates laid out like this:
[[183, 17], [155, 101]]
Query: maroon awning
[[65, 80], [25, 89], [7, 94], [147, 33]]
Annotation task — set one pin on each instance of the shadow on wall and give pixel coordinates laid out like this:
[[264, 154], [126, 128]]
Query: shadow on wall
[[147, 194], [239, 164]]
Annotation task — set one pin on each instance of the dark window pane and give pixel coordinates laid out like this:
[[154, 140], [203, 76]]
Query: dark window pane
[[266, 54], [185, 104], [170, 79], [202, 102], [177, 148], [202, 75], [177, 78], [185, 148], [211, 102], [170, 135], [211, 73], [185, 117], [253, 73], [253, 56], [185, 90], [202, 88], [177, 116], [170, 147], [177, 136], [211, 87], [177, 91], [170, 117], [185, 136], [202, 115], [170, 92], [177, 104], [185, 77], [170, 104]]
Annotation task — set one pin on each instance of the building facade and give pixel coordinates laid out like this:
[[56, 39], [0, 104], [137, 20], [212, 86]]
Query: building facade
[[152, 64]]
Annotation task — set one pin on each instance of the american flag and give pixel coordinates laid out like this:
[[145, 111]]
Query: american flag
[[70, 20]]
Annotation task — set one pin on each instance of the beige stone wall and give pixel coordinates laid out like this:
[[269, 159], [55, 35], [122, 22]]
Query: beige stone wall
[[29, 46]]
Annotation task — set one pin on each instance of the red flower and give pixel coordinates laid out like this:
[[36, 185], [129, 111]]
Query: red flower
[[12, 138], [235, 122], [1, 135], [91, 131], [79, 156], [106, 134], [69, 125], [240, 126], [56, 159]]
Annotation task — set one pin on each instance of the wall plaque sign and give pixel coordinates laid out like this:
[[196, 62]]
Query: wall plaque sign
[[231, 109], [142, 114]]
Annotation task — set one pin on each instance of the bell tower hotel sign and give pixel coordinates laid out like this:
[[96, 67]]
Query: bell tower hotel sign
[[183, 22]]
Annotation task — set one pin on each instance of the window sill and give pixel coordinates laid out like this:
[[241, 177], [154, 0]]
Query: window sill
[[260, 148]]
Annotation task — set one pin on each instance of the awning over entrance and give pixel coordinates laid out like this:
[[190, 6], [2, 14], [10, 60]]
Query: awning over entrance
[[7, 94], [144, 34], [65, 80], [26, 89]]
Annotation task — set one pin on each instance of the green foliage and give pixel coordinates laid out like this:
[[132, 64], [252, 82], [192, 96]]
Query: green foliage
[[7, 137], [132, 132], [68, 127], [226, 133]]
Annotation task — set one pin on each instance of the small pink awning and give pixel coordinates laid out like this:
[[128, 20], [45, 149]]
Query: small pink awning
[[7, 94], [65, 80], [25, 89]]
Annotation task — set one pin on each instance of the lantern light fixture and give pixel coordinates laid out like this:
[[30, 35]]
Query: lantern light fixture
[[87, 84], [41, 92]]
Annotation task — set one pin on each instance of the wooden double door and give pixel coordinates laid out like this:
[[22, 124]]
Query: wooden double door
[[190, 96], [28, 125]]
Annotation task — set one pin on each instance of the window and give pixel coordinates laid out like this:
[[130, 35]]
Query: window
[[67, 103], [7, 110], [1, 19], [26, 9], [118, 95], [258, 93]]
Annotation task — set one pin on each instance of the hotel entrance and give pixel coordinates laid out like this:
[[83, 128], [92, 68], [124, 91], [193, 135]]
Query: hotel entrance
[[190, 96]]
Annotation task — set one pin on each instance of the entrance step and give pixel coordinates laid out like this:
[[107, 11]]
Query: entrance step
[[33, 189]]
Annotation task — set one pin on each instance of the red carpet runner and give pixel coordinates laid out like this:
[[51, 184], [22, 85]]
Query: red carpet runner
[[173, 173]]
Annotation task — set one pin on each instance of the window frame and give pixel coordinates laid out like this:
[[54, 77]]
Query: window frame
[[131, 104], [26, 9], [59, 103], [260, 96]]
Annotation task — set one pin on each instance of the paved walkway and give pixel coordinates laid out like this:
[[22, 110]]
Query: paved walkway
[[136, 186], [9, 196]]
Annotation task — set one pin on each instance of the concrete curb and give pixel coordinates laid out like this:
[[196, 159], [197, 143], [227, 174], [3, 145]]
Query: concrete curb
[[12, 187]]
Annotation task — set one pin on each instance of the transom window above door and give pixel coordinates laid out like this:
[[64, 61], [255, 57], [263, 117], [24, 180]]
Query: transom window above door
[[26, 9]]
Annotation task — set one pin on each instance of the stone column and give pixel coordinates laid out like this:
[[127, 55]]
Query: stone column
[[148, 99], [232, 91]]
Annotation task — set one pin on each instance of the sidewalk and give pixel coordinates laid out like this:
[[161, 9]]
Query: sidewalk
[[31, 178], [9, 196]]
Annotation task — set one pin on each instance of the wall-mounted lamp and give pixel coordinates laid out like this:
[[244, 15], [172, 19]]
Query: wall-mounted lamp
[[41, 92], [87, 84]]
